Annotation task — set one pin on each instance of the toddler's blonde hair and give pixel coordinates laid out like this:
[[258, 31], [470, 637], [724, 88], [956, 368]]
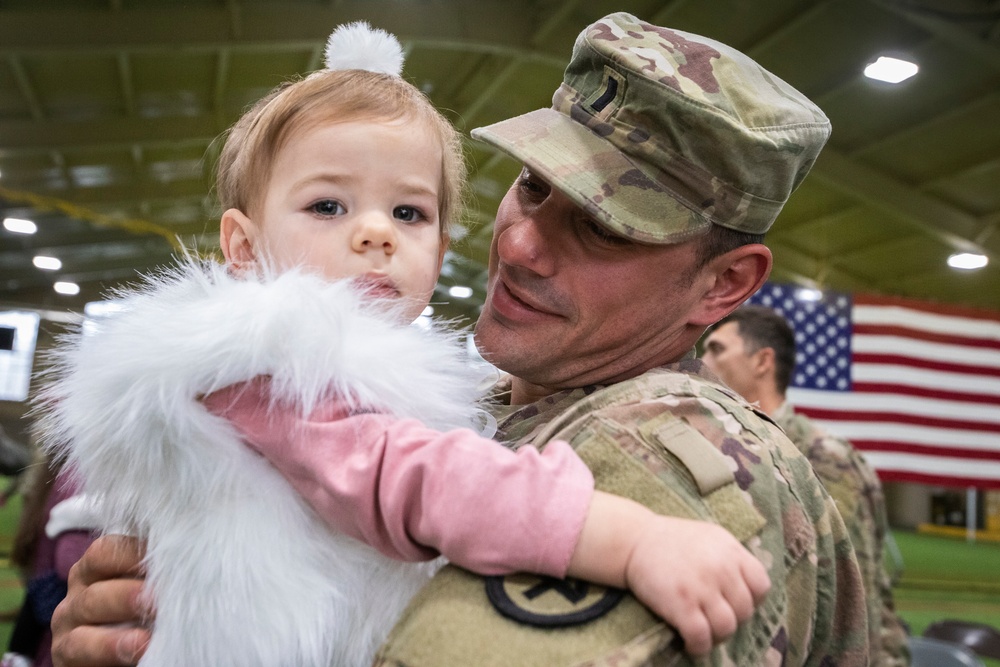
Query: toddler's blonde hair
[[328, 96]]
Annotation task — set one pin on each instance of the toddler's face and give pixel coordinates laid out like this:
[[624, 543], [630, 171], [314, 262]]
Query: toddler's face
[[358, 199]]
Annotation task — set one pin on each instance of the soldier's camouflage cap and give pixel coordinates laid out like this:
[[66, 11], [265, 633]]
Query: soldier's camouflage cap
[[659, 133]]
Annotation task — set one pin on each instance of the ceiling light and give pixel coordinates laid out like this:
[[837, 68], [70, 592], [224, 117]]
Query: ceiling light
[[890, 70], [967, 261], [460, 291], [47, 263], [97, 309], [19, 226], [66, 288], [808, 294]]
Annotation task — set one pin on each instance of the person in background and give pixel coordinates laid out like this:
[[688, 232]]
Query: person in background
[[636, 222], [753, 351], [15, 457], [52, 534]]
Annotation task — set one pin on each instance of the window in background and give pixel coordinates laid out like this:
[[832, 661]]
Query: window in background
[[18, 332]]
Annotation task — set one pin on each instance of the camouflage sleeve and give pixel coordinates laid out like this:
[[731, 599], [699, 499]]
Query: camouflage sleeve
[[858, 499], [893, 645], [857, 492], [815, 612], [894, 649], [888, 637]]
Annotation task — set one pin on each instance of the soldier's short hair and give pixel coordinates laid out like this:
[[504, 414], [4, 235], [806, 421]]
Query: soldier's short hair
[[761, 327], [720, 240]]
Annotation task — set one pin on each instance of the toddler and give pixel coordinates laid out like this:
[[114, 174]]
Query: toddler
[[338, 191]]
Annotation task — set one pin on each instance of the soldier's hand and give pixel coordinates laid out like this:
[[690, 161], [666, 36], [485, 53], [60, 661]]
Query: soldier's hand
[[100, 623], [698, 577]]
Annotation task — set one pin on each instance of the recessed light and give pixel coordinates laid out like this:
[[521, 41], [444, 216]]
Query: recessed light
[[47, 263], [808, 294], [66, 288], [98, 309], [891, 70], [19, 226], [967, 261]]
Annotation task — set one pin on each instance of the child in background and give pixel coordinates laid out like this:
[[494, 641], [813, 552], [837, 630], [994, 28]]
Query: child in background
[[338, 191]]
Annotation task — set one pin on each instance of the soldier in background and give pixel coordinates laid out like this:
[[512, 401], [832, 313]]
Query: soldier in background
[[636, 222], [753, 351]]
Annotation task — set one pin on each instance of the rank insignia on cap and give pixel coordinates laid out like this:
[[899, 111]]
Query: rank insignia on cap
[[547, 602]]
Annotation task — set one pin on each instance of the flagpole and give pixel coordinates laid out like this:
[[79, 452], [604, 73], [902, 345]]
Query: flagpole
[[970, 514]]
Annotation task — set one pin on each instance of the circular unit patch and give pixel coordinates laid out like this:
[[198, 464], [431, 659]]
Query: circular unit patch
[[546, 602]]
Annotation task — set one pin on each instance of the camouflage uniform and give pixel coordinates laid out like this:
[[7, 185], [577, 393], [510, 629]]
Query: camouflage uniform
[[858, 493], [684, 445], [659, 135]]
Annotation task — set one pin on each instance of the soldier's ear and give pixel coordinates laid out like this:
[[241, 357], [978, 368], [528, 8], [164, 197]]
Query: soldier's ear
[[763, 362], [732, 278]]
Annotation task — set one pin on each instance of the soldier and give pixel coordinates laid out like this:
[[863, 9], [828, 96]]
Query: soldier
[[753, 351], [636, 222]]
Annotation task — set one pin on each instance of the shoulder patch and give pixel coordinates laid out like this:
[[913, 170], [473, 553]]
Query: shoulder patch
[[546, 602]]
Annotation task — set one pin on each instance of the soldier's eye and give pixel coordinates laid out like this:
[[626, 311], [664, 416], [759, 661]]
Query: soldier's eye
[[602, 234], [531, 184]]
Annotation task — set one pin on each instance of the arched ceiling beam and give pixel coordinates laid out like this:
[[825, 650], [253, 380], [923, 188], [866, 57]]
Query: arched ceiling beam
[[487, 26], [962, 40], [903, 202]]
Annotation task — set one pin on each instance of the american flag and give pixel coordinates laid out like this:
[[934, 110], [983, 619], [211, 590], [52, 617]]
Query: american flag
[[914, 385]]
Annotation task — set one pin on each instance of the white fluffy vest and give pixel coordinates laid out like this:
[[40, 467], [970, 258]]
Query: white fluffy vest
[[242, 571]]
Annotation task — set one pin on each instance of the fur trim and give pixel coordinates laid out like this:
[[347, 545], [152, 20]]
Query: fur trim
[[77, 512], [359, 46], [242, 571]]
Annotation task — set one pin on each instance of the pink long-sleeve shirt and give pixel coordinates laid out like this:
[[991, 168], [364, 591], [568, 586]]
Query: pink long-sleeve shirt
[[412, 492]]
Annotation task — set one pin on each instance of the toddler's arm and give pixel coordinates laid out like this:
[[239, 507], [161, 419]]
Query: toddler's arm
[[411, 492]]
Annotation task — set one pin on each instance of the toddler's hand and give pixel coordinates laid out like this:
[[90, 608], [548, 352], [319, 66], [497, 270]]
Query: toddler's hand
[[697, 577]]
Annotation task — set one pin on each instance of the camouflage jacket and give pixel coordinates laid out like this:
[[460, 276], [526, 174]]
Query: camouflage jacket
[[679, 442], [858, 493]]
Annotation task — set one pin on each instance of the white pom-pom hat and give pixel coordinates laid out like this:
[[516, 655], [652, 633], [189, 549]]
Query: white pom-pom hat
[[359, 46]]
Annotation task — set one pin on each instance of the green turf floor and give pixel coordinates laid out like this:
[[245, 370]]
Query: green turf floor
[[11, 591], [948, 578]]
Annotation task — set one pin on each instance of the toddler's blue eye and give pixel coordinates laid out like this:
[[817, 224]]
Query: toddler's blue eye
[[328, 207], [407, 214]]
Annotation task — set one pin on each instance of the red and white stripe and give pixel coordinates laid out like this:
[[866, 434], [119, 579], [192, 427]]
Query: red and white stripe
[[925, 404]]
